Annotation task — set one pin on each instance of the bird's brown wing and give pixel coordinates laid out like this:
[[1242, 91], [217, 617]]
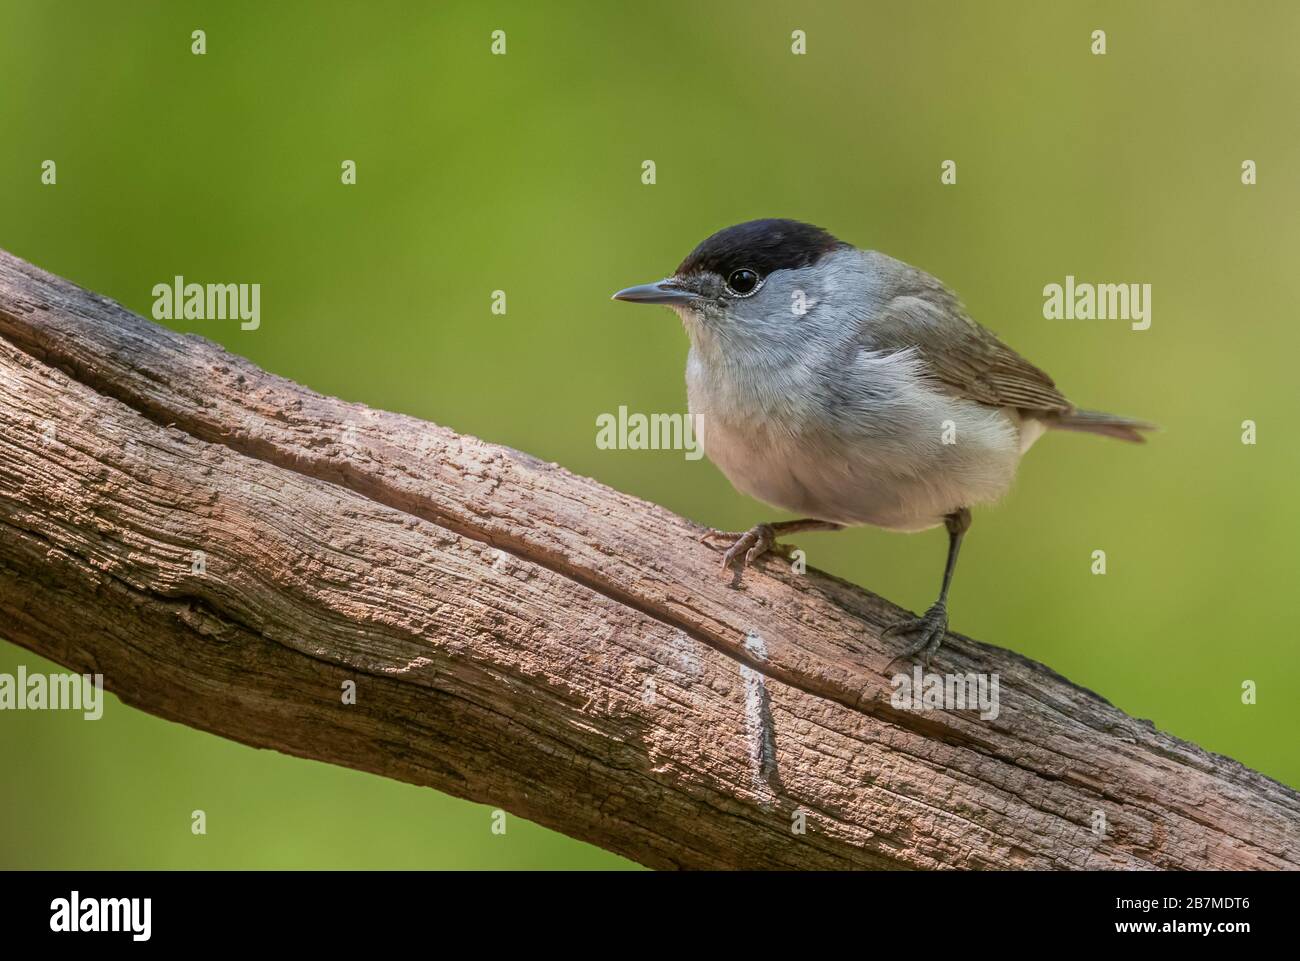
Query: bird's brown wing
[[964, 358]]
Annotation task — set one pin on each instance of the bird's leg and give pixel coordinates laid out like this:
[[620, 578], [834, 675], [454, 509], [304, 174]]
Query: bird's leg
[[748, 546], [931, 627]]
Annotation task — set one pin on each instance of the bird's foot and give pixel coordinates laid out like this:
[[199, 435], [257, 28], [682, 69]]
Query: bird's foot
[[930, 629], [746, 547]]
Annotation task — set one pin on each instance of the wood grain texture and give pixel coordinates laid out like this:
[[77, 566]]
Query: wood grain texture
[[527, 638]]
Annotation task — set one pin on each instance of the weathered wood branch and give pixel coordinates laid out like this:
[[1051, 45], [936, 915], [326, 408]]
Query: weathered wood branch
[[527, 638]]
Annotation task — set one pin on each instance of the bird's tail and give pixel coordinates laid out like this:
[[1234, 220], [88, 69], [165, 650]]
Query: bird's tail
[[1095, 422]]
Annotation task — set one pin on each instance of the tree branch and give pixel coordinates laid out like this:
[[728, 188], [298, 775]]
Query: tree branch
[[527, 638]]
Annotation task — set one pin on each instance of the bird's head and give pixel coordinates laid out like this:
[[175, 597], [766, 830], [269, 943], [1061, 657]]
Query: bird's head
[[749, 282]]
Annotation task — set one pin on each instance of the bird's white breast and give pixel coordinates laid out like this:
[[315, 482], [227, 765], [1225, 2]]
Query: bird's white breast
[[880, 447]]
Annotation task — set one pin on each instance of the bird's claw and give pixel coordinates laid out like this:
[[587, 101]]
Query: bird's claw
[[713, 532], [746, 547], [749, 547], [930, 629]]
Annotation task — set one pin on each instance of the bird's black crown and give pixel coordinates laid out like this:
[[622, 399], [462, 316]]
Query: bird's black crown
[[761, 245]]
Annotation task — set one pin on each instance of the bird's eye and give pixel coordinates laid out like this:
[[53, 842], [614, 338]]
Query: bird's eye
[[743, 281]]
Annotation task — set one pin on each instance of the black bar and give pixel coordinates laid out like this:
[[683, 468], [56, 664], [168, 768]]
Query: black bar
[[596, 913]]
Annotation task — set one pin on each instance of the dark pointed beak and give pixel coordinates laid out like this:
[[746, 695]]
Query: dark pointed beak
[[660, 292]]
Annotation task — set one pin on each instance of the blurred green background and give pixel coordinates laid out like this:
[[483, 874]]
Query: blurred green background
[[523, 173]]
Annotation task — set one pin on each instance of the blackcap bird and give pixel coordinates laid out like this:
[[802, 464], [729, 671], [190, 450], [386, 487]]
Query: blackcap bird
[[851, 388]]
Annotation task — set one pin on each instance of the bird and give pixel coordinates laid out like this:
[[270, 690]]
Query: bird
[[849, 388]]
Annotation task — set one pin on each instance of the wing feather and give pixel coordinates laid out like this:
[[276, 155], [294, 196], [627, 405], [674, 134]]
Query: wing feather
[[964, 358]]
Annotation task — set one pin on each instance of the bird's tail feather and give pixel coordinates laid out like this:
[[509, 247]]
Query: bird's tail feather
[[1096, 422]]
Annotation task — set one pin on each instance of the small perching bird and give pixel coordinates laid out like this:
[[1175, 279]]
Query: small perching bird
[[849, 387]]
